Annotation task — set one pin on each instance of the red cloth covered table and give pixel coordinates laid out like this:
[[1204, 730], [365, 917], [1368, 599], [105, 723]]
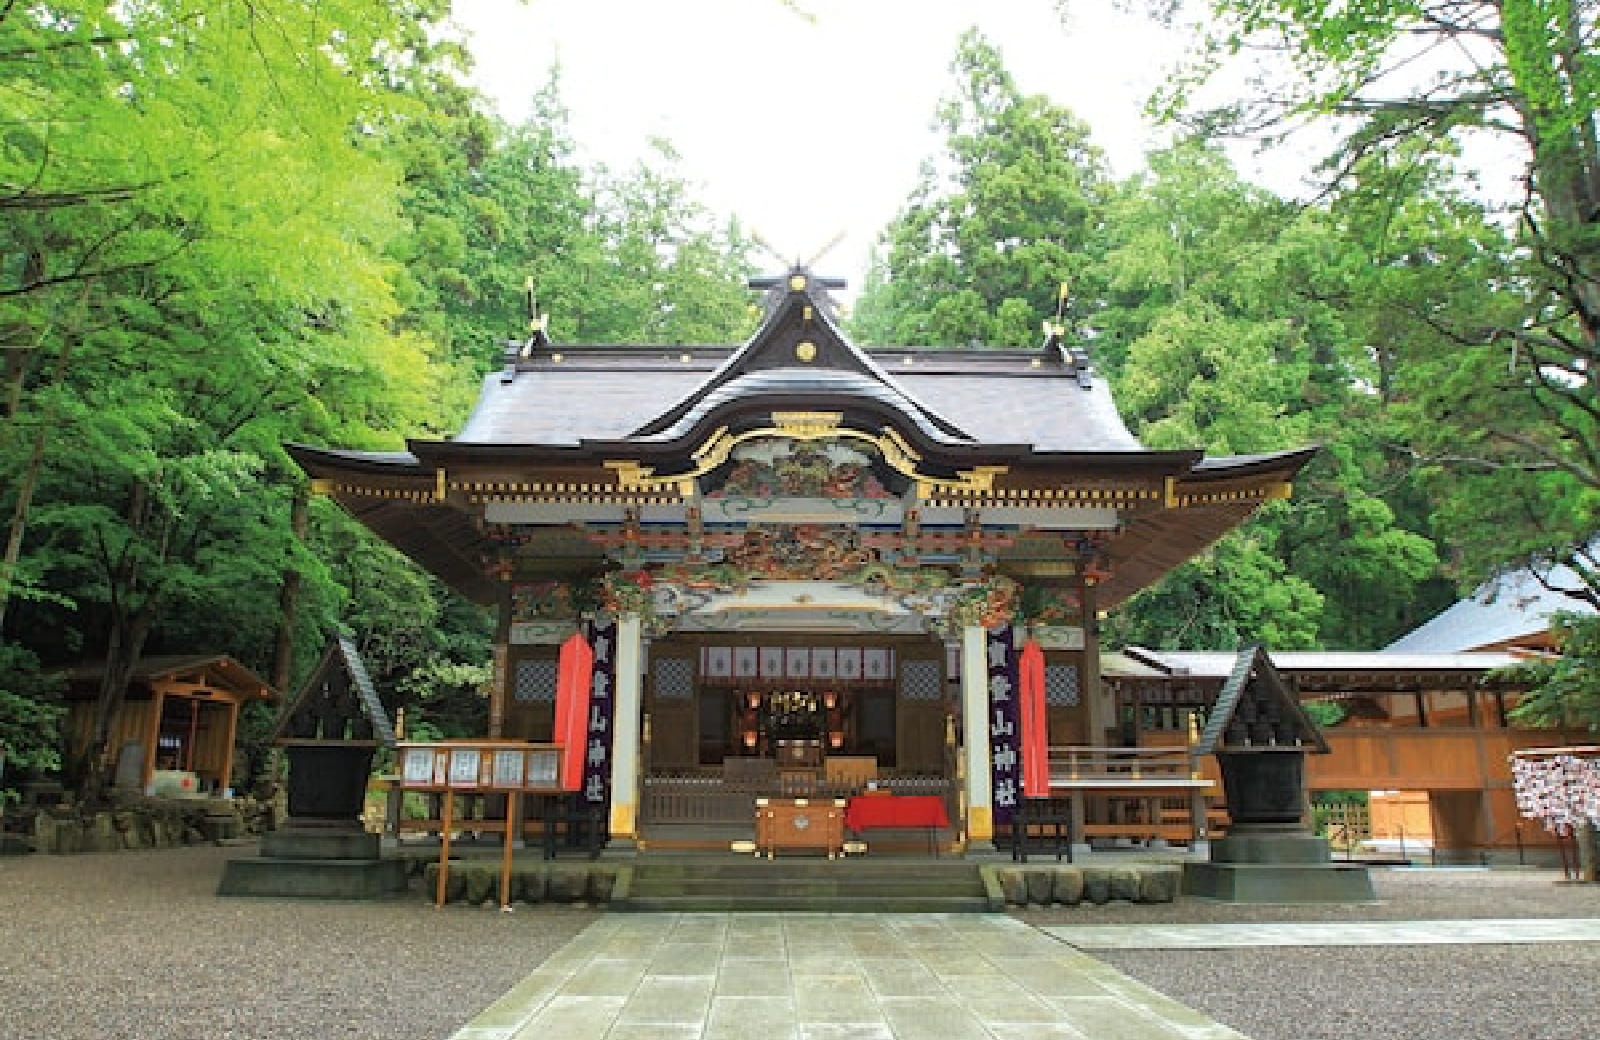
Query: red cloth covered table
[[900, 810]]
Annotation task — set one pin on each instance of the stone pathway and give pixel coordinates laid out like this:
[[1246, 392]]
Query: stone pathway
[[1355, 933], [798, 976]]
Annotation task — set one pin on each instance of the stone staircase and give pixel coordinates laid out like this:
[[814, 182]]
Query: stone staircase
[[805, 884]]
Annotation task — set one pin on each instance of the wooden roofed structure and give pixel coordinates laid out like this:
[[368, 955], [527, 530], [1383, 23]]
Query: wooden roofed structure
[[801, 495], [1432, 730], [180, 715]]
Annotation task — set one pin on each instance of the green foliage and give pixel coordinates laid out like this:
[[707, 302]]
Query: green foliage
[[1236, 323], [426, 649], [995, 225], [1325, 713], [1237, 592], [1564, 690], [234, 226], [30, 714], [1225, 319], [1485, 338]]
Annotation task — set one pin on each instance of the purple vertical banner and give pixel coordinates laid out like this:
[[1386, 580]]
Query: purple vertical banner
[[602, 636], [1005, 730]]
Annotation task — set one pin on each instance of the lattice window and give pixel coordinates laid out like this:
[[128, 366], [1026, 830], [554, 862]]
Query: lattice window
[[674, 678], [921, 681], [1061, 685], [536, 680]]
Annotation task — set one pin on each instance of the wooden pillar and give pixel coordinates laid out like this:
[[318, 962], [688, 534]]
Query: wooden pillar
[[625, 730], [227, 748], [500, 678], [152, 740], [1101, 715], [975, 730]]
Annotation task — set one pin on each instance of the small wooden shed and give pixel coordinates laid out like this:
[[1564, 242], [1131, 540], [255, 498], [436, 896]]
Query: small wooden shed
[[179, 717]]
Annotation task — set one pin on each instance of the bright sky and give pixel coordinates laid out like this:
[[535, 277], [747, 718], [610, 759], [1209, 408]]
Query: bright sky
[[806, 129]]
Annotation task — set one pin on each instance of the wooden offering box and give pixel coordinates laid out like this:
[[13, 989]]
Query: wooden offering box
[[800, 823]]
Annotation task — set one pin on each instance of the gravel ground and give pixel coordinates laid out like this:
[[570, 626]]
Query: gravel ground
[[1538, 991], [137, 944]]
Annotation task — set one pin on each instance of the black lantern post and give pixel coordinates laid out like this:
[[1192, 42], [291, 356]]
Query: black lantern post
[[1261, 736]]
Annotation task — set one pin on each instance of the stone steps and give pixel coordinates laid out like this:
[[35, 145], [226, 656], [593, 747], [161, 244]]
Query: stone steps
[[802, 885], [837, 904]]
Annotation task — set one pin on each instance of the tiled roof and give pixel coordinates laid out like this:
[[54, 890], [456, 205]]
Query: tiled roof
[[605, 395], [1514, 606], [577, 398], [1216, 665]]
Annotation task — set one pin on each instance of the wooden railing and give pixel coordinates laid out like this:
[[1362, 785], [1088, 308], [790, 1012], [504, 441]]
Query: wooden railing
[[1137, 793], [1117, 763], [705, 796]]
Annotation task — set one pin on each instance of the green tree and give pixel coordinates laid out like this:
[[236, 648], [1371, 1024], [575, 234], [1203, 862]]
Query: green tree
[[673, 273], [30, 716], [996, 224], [426, 648], [192, 179], [1517, 405], [1564, 690], [1236, 592], [1228, 322]]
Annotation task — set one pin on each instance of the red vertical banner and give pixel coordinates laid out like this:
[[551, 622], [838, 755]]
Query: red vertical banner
[[575, 671], [1035, 723]]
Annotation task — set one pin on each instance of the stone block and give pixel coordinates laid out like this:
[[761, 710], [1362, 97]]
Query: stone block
[[313, 879], [567, 886], [44, 833], [601, 885], [1270, 848], [220, 826], [1040, 886], [1123, 884], [67, 838], [100, 834], [1067, 886], [529, 886], [455, 885], [481, 885], [1279, 882], [1160, 884], [1097, 885], [311, 843], [1012, 886]]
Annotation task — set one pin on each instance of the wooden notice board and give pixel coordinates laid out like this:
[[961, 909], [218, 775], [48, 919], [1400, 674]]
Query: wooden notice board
[[508, 767]]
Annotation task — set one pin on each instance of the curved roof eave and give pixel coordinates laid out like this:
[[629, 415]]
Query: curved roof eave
[[312, 459], [737, 367], [1223, 467]]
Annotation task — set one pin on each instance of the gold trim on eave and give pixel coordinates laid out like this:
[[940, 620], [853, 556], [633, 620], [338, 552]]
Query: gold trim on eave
[[323, 485], [807, 426], [631, 476], [897, 455]]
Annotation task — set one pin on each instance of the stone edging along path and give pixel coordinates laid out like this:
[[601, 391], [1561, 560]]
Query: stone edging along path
[[478, 882]]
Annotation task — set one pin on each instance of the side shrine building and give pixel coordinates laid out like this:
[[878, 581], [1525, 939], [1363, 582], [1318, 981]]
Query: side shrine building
[[799, 563]]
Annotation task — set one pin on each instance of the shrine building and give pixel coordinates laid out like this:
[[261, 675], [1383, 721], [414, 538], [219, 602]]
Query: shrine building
[[803, 565]]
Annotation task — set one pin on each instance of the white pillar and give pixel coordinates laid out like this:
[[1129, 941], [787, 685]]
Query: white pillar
[[975, 727], [625, 731]]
